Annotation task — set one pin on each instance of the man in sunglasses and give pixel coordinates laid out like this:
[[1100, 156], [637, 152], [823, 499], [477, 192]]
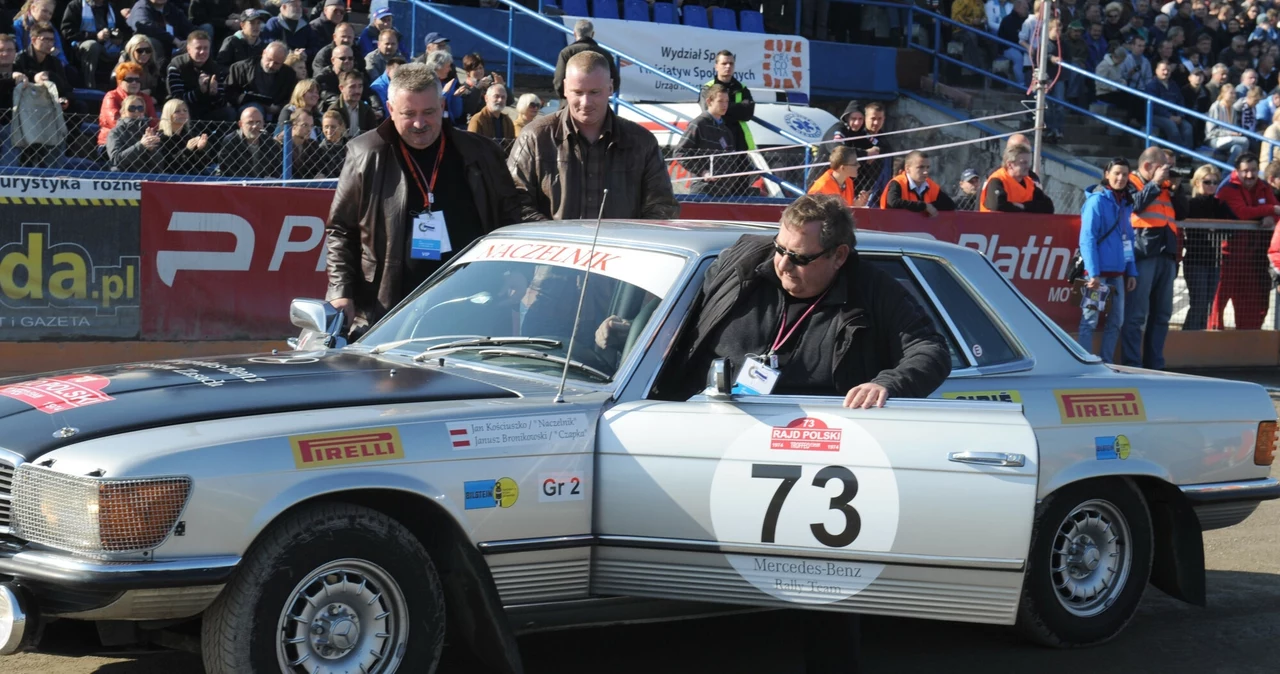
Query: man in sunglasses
[[804, 312]]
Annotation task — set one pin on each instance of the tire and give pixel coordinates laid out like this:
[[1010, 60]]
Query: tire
[[1103, 599], [278, 592]]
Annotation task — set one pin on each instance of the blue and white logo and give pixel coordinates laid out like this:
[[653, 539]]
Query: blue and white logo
[[802, 125]]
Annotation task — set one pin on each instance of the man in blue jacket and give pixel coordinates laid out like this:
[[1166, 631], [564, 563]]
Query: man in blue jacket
[[162, 22], [1173, 126], [1106, 247], [293, 30]]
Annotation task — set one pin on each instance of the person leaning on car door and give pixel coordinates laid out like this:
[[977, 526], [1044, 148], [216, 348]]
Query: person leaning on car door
[[412, 192], [803, 305]]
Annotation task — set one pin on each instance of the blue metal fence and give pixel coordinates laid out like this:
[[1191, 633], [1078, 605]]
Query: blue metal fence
[[939, 56]]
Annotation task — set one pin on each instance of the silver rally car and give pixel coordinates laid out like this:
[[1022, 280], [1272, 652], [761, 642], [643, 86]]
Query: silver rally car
[[350, 509]]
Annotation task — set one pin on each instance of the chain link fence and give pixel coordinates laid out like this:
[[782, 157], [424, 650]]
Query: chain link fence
[[76, 143], [1224, 280]]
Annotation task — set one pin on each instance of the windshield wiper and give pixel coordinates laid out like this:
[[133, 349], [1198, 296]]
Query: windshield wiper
[[383, 348], [433, 350], [538, 355]]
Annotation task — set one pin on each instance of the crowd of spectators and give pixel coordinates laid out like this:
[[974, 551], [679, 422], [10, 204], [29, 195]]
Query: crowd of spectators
[[234, 88], [1216, 57]]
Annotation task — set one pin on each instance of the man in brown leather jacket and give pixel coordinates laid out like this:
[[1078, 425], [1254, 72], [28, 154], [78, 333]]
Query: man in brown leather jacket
[[562, 163], [412, 193]]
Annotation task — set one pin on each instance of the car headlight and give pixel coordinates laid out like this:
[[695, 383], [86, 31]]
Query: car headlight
[[94, 515]]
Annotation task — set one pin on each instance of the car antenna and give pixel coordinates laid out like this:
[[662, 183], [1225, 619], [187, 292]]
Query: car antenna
[[573, 336]]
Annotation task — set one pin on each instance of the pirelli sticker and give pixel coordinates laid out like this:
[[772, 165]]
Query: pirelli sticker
[[321, 450], [1100, 405]]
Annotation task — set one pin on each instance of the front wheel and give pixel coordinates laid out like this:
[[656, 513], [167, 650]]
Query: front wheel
[[1090, 560], [331, 588]]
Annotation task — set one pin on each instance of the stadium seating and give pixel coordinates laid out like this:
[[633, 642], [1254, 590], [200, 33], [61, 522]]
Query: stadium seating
[[664, 12], [751, 21], [636, 10], [605, 9], [695, 16], [723, 19], [576, 8]]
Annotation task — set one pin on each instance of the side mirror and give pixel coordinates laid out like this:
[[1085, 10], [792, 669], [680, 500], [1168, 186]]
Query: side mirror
[[720, 379], [321, 323]]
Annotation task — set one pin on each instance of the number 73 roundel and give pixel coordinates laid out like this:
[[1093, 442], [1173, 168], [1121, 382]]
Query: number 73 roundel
[[812, 481]]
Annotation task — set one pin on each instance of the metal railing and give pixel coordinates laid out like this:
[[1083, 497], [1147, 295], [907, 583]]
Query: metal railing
[[939, 56], [513, 51]]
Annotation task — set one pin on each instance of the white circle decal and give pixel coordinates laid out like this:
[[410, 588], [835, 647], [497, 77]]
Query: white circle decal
[[813, 481]]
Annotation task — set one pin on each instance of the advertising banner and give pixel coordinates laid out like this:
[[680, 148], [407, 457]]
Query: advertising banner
[[70, 272], [688, 54], [1034, 252], [224, 262]]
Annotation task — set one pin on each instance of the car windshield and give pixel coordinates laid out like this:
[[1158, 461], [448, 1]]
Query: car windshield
[[512, 301]]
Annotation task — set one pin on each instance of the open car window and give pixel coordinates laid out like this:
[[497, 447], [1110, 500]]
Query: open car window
[[982, 336], [895, 267], [513, 288]]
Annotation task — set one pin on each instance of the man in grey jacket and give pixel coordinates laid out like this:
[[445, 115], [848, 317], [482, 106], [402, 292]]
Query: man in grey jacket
[[563, 162]]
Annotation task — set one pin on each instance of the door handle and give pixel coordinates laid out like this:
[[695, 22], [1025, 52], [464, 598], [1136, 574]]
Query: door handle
[[989, 458]]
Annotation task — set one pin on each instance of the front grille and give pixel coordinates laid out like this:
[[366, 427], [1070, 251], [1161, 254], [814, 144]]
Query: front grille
[[6, 495]]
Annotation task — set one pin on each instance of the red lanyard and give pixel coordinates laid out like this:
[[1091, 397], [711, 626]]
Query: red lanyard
[[428, 192], [781, 338]]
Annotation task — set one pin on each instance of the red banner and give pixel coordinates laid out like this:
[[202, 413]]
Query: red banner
[[224, 262], [1032, 251]]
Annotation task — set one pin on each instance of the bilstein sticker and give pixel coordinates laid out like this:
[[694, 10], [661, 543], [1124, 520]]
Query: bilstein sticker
[[1111, 447], [499, 493], [1100, 406], [994, 396], [59, 394], [321, 450], [805, 433]]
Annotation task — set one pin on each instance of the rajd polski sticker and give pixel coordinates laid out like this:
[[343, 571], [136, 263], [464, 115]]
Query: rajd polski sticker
[[809, 481]]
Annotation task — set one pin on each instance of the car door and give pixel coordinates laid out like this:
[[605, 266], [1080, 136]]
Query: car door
[[922, 508]]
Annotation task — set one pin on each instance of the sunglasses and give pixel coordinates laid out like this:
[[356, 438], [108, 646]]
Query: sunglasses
[[142, 50], [133, 80], [345, 58], [535, 106], [136, 108], [796, 258]]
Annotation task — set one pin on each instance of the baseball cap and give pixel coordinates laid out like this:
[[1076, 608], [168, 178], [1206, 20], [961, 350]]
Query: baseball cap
[[1075, 25], [335, 3], [254, 15], [967, 175], [385, 11], [434, 38]]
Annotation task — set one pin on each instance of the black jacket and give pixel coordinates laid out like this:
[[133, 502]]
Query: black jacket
[[1202, 246], [585, 44], [323, 58], [330, 89], [703, 139], [323, 27], [742, 107], [875, 330], [235, 49], [235, 160], [365, 116], [245, 84], [70, 28], [27, 65], [183, 77], [126, 152], [895, 200], [839, 131]]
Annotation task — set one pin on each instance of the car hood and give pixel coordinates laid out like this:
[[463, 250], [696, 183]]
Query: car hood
[[43, 412]]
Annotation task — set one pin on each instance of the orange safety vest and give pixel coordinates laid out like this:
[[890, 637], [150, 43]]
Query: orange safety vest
[[826, 184], [1017, 192], [1158, 213], [930, 193]]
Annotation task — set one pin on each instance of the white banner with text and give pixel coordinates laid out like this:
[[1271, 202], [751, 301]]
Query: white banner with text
[[688, 54]]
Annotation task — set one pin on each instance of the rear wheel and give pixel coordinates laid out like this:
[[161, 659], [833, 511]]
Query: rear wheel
[[331, 588], [1090, 559]]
